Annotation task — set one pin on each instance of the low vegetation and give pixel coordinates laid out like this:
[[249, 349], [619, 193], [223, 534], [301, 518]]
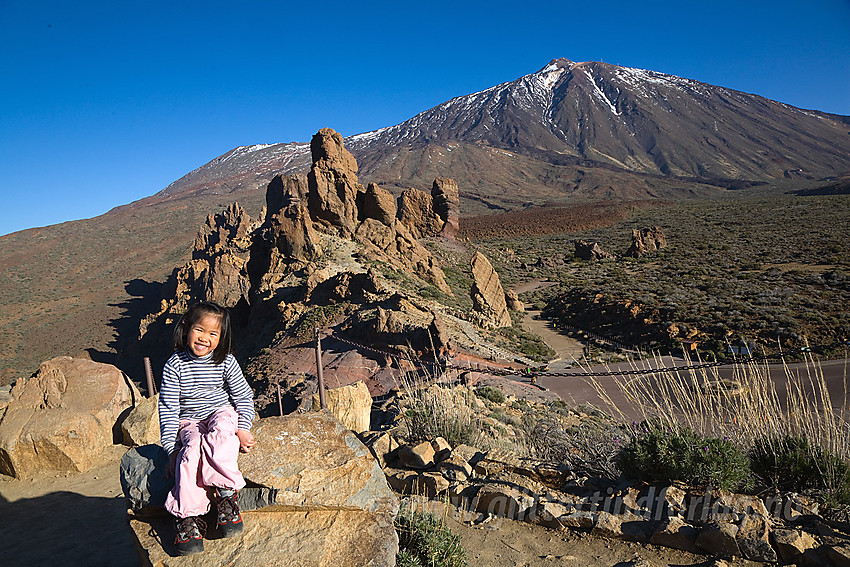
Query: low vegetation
[[665, 452], [792, 463], [700, 430], [773, 269], [693, 429], [425, 541], [431, 412]]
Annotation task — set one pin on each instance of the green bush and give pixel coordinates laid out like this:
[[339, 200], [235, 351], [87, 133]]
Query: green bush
[[495, 395], [662, 453], [791, 463], [425, 541], [785, 463]]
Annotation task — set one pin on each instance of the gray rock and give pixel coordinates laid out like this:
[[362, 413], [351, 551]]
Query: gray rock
[[143, 478], [719, 539], [753, 539], [257, 497]]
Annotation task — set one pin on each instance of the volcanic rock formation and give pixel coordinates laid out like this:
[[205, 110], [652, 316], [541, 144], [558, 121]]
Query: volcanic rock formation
[[589, 250], [646, 240], [317, 246], [488, 295], [332, 182]]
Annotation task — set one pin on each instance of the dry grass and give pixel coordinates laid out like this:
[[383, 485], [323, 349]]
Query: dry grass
[[748, 409], [431, 411]]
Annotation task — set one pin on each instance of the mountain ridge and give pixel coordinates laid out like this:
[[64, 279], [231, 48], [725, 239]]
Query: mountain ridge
[[642, 133]]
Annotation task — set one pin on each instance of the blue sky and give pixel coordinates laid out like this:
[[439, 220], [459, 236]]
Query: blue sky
[[104, 103]]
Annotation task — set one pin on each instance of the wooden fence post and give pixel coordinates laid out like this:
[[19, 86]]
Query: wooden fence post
[[149, 376], [319, 374]]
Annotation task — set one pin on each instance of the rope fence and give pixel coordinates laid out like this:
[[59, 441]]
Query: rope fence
[[535, 372]]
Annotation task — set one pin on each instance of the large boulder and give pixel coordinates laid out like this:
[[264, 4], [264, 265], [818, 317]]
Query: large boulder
[[351, 404], [379, 204], [316, 463], [416, 213], [288, 228], [321, 499], [488, 295], [589, 250], [62, 417], [646, 240], [307, 538], [446, 198]]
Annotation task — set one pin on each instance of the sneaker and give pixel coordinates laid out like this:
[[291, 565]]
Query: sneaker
[[190, 535], [229, 518]]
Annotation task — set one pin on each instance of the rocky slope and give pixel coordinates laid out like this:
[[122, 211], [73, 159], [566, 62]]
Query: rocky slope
[[329, 253]]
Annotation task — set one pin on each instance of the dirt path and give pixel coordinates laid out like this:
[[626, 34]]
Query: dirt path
[[567, 348], [59, 519]]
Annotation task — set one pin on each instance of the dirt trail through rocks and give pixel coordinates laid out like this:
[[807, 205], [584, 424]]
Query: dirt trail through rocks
[[74, 519], [566, 347]]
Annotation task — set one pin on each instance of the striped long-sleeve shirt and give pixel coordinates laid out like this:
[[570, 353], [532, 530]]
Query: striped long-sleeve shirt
[[195, 388]]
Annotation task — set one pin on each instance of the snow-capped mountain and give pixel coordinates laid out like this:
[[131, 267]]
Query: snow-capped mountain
[[587, 130]]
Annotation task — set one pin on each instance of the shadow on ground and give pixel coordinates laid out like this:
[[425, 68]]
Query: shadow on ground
[[65, 528]]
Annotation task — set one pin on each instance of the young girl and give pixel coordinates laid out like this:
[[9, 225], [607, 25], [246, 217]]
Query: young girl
[[205, 414]]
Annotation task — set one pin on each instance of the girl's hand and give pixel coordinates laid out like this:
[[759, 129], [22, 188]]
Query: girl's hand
[[246, 440]]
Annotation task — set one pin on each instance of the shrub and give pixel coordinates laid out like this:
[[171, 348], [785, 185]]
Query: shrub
[[589, 449], [504, 417], [791, 463], [784, 463], [665, 453], [426, 541], [491, 393]]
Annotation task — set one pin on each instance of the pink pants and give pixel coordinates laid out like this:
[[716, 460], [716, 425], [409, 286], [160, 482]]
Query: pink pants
[[207, 458]]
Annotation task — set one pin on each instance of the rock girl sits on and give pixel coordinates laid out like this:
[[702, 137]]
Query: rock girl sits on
[[205, 412]]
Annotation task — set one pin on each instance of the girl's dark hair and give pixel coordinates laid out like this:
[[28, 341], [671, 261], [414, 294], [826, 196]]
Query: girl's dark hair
[[197, 312]]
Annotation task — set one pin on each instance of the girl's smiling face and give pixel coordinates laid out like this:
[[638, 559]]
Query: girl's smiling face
[[204, 335]]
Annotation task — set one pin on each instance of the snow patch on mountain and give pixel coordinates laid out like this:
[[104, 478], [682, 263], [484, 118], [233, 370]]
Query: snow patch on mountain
[[646, 83], [600, 95]]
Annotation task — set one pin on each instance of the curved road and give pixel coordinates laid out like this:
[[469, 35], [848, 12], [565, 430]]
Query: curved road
[[581, 389]]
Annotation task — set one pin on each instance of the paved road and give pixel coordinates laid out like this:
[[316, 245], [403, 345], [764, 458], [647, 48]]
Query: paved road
[[581, 390]]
